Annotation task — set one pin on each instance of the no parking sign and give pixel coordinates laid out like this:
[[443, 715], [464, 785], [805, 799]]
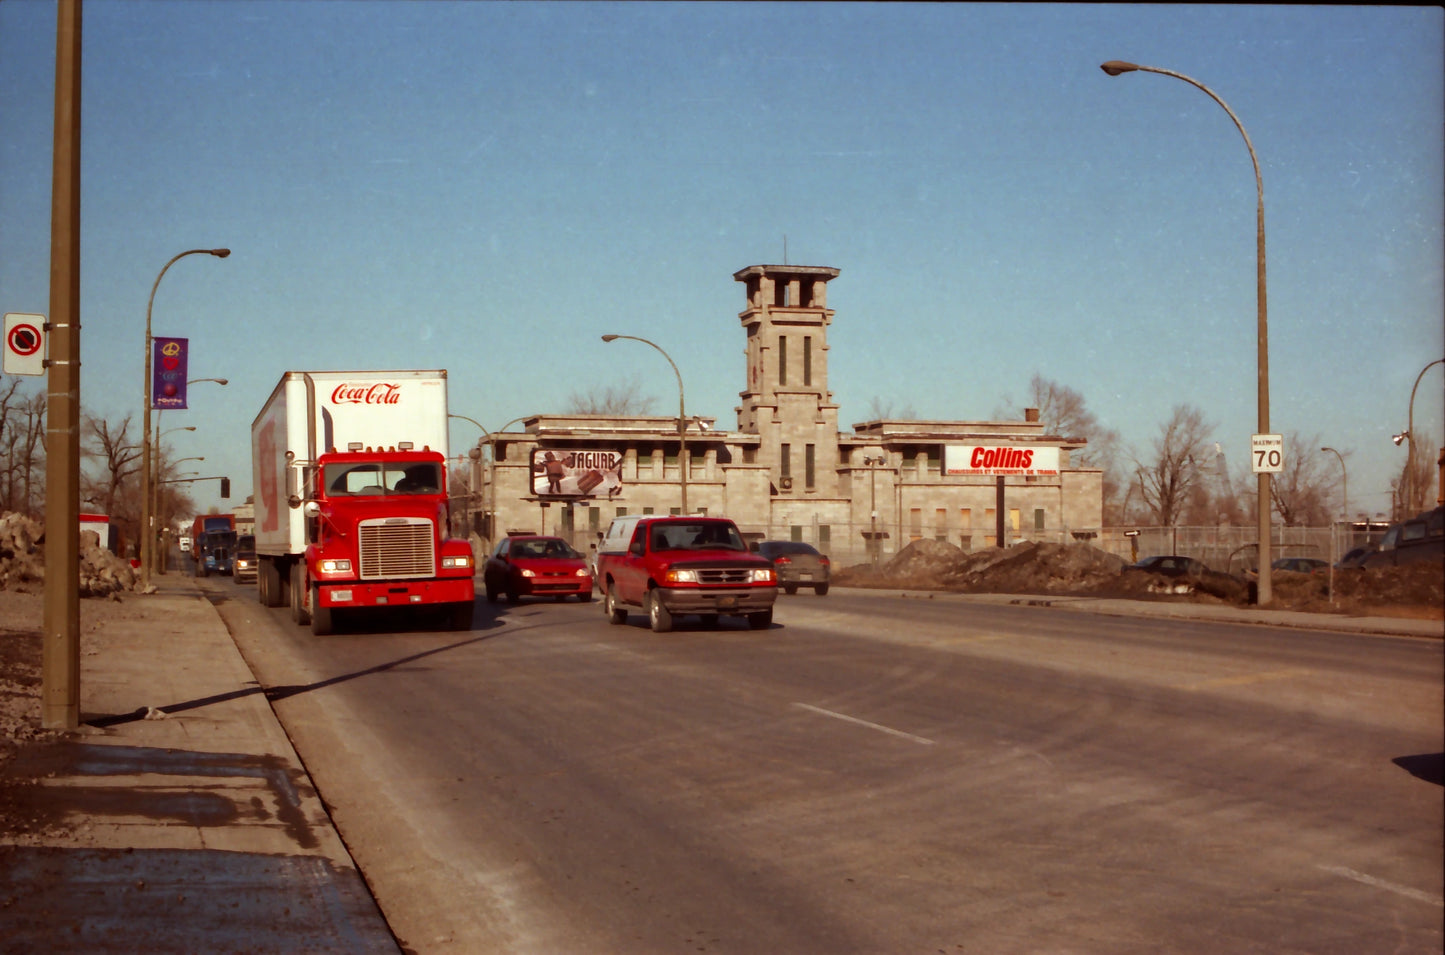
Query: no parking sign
[[24, 344]]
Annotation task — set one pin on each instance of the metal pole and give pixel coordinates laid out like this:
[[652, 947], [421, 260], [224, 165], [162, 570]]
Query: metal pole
[[147, 518], [1410, 505], [60, 655], [682, 461], [1266, 503]]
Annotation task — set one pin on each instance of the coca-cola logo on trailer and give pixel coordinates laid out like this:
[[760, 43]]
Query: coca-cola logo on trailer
[[380, 393]]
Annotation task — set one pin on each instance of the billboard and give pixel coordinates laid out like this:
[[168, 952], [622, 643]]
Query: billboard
[[576, 472], [995, 460]]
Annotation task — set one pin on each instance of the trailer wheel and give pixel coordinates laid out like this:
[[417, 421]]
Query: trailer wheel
[[298, 594], [269, 584]]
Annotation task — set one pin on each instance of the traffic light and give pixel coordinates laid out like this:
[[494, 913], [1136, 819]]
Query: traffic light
[[225, 488]]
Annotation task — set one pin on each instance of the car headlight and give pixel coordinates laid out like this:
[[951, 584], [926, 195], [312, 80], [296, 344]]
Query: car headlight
[[456, 562], [764, 575], [582, 572], [528, 572], [336, 566], [681, 576]]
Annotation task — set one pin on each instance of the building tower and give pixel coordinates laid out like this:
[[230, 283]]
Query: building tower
[[787, 402]]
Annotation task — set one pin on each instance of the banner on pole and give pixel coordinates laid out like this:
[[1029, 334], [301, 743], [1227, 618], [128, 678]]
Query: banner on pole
[[168, 373]]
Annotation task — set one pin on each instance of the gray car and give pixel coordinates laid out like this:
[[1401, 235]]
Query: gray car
[[797, 565]]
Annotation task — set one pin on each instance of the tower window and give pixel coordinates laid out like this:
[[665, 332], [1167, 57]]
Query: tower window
[[809, 460], [785, 466], [782, 359], [808, 361]]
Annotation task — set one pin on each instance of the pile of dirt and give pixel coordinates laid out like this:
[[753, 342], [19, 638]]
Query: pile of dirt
[[22, 560], [1416, 591]]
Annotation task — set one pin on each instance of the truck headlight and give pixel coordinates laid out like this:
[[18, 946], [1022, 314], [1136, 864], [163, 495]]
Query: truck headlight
[[336, 566], [681, 576], [451, 563], [764, 575]]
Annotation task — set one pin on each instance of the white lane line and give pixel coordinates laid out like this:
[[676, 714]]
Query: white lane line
[[872, 726], [1404, 890]]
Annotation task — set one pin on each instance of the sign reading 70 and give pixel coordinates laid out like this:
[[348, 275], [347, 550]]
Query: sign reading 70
[[1267, 453]]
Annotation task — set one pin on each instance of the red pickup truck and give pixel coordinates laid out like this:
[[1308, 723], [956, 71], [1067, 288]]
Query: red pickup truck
[[668, 566]]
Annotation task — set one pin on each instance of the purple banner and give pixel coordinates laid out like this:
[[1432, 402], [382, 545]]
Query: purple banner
[[168, 373]]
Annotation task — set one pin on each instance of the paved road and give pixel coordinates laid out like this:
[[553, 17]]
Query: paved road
[[875, 774]]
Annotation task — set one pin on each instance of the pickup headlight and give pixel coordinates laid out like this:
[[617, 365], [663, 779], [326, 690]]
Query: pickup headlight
[[764, 575], [681, 576], [335, 566], [452, 563]]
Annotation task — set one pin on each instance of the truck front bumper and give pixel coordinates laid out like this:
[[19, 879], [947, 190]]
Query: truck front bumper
[[717, 600], [397, 593]]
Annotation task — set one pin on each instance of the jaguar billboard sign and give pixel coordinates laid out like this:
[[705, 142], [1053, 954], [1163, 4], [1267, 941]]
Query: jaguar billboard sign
[[576, 472]]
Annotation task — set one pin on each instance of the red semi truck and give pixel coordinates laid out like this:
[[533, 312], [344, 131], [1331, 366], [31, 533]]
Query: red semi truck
[[350, 471]]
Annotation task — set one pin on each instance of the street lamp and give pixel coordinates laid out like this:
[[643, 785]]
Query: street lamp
[[1345, 476], [873, 463], [146, 518], [492, 478], [1409, 435], [1114, 68], [682, 461]]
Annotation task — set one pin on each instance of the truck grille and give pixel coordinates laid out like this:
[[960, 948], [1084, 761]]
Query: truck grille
[[397, 547]]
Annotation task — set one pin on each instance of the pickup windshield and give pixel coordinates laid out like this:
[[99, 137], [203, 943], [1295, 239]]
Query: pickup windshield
[[374, 477], [701, 535]]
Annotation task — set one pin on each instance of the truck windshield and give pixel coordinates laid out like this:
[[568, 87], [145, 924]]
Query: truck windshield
[[375, 477]]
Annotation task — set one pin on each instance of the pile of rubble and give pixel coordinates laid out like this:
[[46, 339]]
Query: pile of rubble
[[22, 561]]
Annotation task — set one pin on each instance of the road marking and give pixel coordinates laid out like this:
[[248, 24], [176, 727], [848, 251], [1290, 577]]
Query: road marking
[[1404, 890], [872, 726], [1247, 678]]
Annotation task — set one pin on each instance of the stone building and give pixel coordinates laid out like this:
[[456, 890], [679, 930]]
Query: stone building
[[786, 470]]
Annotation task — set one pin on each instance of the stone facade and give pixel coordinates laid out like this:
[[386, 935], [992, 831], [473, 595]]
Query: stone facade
[[787, 470]]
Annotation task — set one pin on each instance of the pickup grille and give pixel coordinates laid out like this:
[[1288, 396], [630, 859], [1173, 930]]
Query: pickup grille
[[724, 575], [395, 548]]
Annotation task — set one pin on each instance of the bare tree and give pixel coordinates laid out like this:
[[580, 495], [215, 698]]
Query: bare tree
[[1063, 412], [115, 485], [1181, 454], [22, 449], [881, 409], [1413, 487], [621, 401], [1303, 492]]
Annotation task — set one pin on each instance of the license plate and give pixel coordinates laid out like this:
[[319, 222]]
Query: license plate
[[805, 576], [727, 603]]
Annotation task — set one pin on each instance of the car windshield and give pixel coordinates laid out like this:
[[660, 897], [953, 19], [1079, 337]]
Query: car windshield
[[544, 548]]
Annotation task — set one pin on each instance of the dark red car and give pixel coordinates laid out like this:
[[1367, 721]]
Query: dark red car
[[531, 565]]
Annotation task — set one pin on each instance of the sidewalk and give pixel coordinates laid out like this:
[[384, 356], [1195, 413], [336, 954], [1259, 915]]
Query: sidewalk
[[195, 827]]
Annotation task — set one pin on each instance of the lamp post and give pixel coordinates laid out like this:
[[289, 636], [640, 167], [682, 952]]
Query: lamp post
[[1409, 489], [873, 463], [146, 517], [1114, 68], [682, 461], [492, 478], [1345, 477], [155, 467]]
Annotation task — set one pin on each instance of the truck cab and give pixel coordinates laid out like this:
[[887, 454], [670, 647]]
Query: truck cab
[[376, 532]]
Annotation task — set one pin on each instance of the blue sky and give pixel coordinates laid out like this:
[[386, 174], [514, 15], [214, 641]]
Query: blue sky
[[489, 187]]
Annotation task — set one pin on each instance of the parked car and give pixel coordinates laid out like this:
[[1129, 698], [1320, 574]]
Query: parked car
[[532, 565], [1420, 538], [1301, 565], [1354, 558], [243, 566], [797, 564], [1171, 565]]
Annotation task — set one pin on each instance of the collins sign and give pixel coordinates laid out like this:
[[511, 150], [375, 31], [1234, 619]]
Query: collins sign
[[997, 460]]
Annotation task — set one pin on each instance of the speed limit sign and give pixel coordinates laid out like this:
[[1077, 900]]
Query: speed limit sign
[[1267, 453]]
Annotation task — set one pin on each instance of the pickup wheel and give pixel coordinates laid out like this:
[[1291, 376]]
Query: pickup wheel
[[820, 589], [491, 593], [790, 589], [761, 620], [658, 616], [615, 614]]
